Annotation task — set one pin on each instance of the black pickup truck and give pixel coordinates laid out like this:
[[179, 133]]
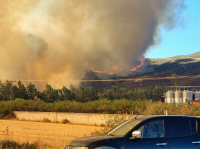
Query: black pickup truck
[[147, 132]]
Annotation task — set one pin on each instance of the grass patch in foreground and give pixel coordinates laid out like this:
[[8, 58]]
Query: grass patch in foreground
[[14, 145], [111, 123]]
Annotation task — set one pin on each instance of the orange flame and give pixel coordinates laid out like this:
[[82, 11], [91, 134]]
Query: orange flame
[[83, 75], [98, 71], [138, 66], [74, 83], [115, 72], [110, 73]]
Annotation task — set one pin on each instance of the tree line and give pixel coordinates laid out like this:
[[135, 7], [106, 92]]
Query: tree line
[[81, 94]]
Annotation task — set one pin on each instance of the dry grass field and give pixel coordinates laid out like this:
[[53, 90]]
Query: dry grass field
[[48, 135]]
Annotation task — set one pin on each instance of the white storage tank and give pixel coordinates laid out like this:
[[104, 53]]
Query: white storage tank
[[170, 97], [197, 95], [187, 95], [178, 97]]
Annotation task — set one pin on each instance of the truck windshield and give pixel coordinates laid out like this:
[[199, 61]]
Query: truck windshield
[[123, 128]]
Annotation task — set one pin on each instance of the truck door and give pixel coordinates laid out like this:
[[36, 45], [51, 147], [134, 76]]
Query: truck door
[[183, 133], [153, 136]]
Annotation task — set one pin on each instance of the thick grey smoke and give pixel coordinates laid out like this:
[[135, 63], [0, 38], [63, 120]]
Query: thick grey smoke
[[59, 40]]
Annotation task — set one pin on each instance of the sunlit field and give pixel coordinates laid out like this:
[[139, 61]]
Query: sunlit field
[[47, 135]]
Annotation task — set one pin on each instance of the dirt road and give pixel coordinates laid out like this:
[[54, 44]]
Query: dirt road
[[48, 135]]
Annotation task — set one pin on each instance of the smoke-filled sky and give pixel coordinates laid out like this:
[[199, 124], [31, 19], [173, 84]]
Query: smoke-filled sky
[[59, 40]]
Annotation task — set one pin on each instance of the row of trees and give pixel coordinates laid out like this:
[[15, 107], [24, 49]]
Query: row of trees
[[155, 94], [31, 92], [82, 94]]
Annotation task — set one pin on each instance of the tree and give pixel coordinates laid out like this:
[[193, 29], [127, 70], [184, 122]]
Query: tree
[[115, 92], [84, 94], [130, 94], [122, 92], [5, 91], [31, 91], [141, 94], [158, 93], [109, 94], [20, 91], [50, 94], [149, 93], [90, 93], [66, 94], [1, 95], [135, 95], [174, 79]]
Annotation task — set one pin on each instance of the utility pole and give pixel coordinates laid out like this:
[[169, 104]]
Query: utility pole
[[11, 98]]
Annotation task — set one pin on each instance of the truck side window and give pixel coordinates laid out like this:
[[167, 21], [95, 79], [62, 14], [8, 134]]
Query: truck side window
[[153, 129], [181, 127]]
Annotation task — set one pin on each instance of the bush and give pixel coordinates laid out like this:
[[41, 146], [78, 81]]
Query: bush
[[14, 145], [5, 110], [46, 120], [106, 128], [103, 105], [110, 124], [65, 121]]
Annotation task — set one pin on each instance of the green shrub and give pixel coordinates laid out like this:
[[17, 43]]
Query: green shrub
[[14, 145], [102, 125], [46, 120], [5, 110], [65, 121], [111, 122], [103, 105]]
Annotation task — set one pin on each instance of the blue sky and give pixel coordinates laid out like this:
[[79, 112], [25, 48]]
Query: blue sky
[[184, 39]]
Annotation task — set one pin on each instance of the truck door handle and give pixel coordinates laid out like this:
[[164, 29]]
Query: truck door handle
[[196, 142], [161, 144]]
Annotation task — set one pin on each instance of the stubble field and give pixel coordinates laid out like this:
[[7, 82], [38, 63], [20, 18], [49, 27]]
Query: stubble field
[[48, 135]]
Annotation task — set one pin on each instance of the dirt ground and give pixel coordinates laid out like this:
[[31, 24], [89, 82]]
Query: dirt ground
[[48, 135]]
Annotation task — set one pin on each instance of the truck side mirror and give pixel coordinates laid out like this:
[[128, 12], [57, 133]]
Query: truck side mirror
[[136, 134]]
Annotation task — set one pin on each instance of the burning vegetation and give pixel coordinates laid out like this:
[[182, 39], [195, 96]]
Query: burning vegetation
[[110, 73]]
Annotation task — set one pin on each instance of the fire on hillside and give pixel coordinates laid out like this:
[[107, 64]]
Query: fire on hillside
[[110, 73]]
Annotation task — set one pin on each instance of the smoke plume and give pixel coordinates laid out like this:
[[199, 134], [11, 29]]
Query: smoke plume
[[59, 40]]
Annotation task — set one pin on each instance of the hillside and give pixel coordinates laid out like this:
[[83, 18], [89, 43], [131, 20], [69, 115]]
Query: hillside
[[186, 65]]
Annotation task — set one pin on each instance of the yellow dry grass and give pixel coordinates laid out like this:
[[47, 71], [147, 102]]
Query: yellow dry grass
[[48, 135]]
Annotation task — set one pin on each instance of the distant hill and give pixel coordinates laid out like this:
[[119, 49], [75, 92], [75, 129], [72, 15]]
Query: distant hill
[[192, 57], [182, 65]]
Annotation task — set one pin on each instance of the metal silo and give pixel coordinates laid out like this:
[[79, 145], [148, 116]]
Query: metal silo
[[187, 95], [170, 97], [178, 97], [197, 95]]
